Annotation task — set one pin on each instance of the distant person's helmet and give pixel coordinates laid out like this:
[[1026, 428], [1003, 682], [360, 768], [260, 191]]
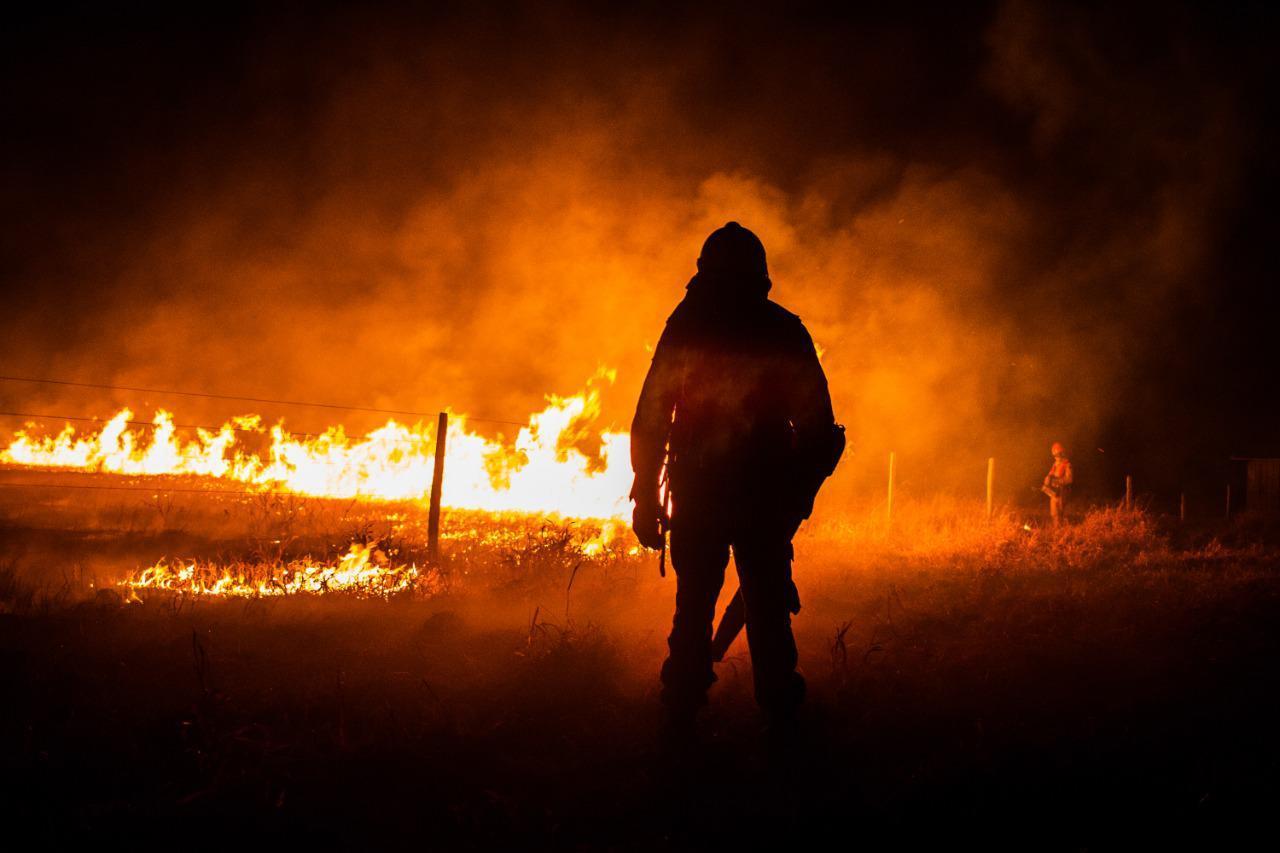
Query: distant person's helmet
[[1058, 449], [733, 251]]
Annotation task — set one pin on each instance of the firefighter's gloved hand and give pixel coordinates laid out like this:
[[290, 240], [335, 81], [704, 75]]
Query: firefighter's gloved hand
[[646, 521]]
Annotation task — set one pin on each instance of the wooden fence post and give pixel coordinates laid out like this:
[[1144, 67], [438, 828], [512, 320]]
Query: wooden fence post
[[437, 480], [1128, 492], [991, 485], [888, 511], [1182, 508]]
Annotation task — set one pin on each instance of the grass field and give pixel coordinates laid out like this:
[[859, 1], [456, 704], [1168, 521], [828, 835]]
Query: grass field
[[967, 678]]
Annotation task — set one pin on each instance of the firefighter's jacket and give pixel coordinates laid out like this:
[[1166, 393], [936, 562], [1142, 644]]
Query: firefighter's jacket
[[737, 404], [1059, 476]]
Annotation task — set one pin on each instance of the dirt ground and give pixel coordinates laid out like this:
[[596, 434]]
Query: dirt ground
[[967, 679]]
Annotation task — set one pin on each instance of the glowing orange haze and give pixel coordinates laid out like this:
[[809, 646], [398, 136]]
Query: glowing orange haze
[[544, 470]]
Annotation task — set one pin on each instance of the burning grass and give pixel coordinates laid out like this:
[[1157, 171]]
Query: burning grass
[[561, 461], [365, 570]]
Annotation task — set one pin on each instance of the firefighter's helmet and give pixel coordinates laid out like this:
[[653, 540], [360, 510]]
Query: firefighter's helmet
[[733, 251]]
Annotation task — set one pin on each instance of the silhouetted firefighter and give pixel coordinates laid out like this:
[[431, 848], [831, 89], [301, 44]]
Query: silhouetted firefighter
[[736, 405], [1057, 484]]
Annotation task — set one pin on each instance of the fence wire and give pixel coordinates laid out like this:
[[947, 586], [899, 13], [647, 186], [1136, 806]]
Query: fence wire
[[246, 399]]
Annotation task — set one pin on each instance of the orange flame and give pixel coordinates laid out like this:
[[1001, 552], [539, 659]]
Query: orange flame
[[556, 464], [364, 571]]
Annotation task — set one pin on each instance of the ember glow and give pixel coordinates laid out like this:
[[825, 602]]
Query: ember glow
[[560, 462]]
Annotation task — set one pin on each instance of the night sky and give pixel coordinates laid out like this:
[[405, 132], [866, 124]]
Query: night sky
[[289, 200]]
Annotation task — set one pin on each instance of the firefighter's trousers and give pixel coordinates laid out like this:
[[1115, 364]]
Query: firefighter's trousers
[[1058, 510], [700, 547]]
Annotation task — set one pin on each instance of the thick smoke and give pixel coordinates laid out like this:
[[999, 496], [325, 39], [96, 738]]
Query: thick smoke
[[993, 225]]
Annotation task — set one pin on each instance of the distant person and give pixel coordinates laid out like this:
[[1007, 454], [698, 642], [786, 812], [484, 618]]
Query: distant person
[[1057, 484], [735, 414]]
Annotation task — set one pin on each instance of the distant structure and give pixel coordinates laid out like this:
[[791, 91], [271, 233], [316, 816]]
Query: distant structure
[[1260, 479]]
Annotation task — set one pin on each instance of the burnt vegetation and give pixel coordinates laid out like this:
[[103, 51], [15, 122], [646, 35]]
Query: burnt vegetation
[[990, 677]]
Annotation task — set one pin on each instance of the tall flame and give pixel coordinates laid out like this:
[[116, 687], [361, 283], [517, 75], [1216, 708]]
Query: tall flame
[[558, 462]]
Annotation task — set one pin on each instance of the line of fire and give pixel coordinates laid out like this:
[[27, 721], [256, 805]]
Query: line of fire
[[542, 472]]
